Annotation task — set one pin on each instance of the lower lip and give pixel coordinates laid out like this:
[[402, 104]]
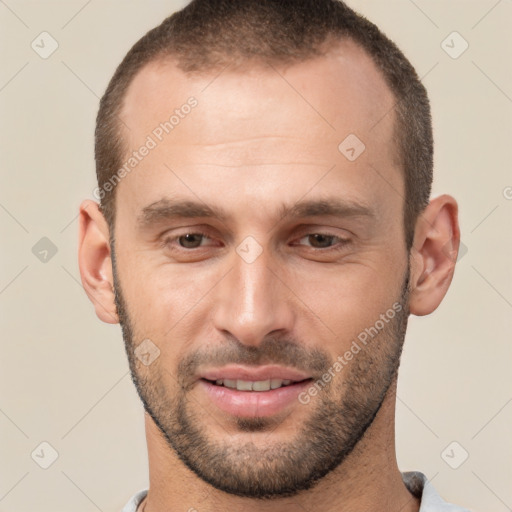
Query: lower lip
[[253, 404]]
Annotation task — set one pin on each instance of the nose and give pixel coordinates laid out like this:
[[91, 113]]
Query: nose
[[252, 302]]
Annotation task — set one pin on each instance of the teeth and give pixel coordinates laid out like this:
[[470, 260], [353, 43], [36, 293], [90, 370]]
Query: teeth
[[275, 383], [248, 385], [244, 385], [261, 385]]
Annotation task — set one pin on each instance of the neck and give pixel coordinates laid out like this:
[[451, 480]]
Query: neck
[[368, 479]]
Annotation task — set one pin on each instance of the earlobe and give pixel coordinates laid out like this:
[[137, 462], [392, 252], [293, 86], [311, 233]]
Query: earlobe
[[94, 260], [434, 254]]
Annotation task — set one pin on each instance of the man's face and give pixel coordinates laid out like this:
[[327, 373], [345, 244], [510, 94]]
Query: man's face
[[252, 298]]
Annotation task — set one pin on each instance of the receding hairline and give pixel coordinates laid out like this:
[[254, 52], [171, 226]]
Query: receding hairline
[[232, 64], [238, 62]]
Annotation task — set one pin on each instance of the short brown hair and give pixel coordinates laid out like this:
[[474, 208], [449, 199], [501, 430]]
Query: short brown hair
[[209, 34]]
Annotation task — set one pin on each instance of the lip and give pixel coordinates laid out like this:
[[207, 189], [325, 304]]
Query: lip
[[238, 372], [253, 404]]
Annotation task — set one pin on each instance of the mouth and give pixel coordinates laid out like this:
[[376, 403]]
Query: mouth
[[253, 392], [258, 385]]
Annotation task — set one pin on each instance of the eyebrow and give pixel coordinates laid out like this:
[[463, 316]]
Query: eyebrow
[[166, 209], [329, 207]]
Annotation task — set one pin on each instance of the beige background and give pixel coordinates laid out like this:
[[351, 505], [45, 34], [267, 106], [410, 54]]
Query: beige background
[[63, 374]]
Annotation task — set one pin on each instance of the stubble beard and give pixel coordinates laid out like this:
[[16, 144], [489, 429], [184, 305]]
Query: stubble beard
[[340, 414]]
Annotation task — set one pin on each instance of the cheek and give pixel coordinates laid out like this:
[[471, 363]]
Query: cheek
[[165, 302], [347, 300]]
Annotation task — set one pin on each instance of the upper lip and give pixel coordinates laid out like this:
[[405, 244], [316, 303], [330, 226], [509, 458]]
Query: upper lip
[[257, 373]]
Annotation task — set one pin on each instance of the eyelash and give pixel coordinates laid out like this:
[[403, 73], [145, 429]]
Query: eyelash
[[342, 242], [169, 240]]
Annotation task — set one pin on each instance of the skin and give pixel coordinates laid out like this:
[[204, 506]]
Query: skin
[[252, 145]]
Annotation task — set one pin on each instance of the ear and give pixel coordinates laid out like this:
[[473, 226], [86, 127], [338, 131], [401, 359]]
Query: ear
[[95, 262], [434, 254]]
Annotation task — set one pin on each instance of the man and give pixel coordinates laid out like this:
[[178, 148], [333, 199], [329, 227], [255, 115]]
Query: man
[[265, 230]]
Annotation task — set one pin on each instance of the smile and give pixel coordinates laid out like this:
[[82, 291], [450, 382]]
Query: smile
[[258, 385]]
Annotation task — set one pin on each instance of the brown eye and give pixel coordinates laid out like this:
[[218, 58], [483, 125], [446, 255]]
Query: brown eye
[[191, 240], [320, 241]]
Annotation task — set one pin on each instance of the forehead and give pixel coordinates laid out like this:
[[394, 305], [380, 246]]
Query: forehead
[[261, 119], [340, 90]]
